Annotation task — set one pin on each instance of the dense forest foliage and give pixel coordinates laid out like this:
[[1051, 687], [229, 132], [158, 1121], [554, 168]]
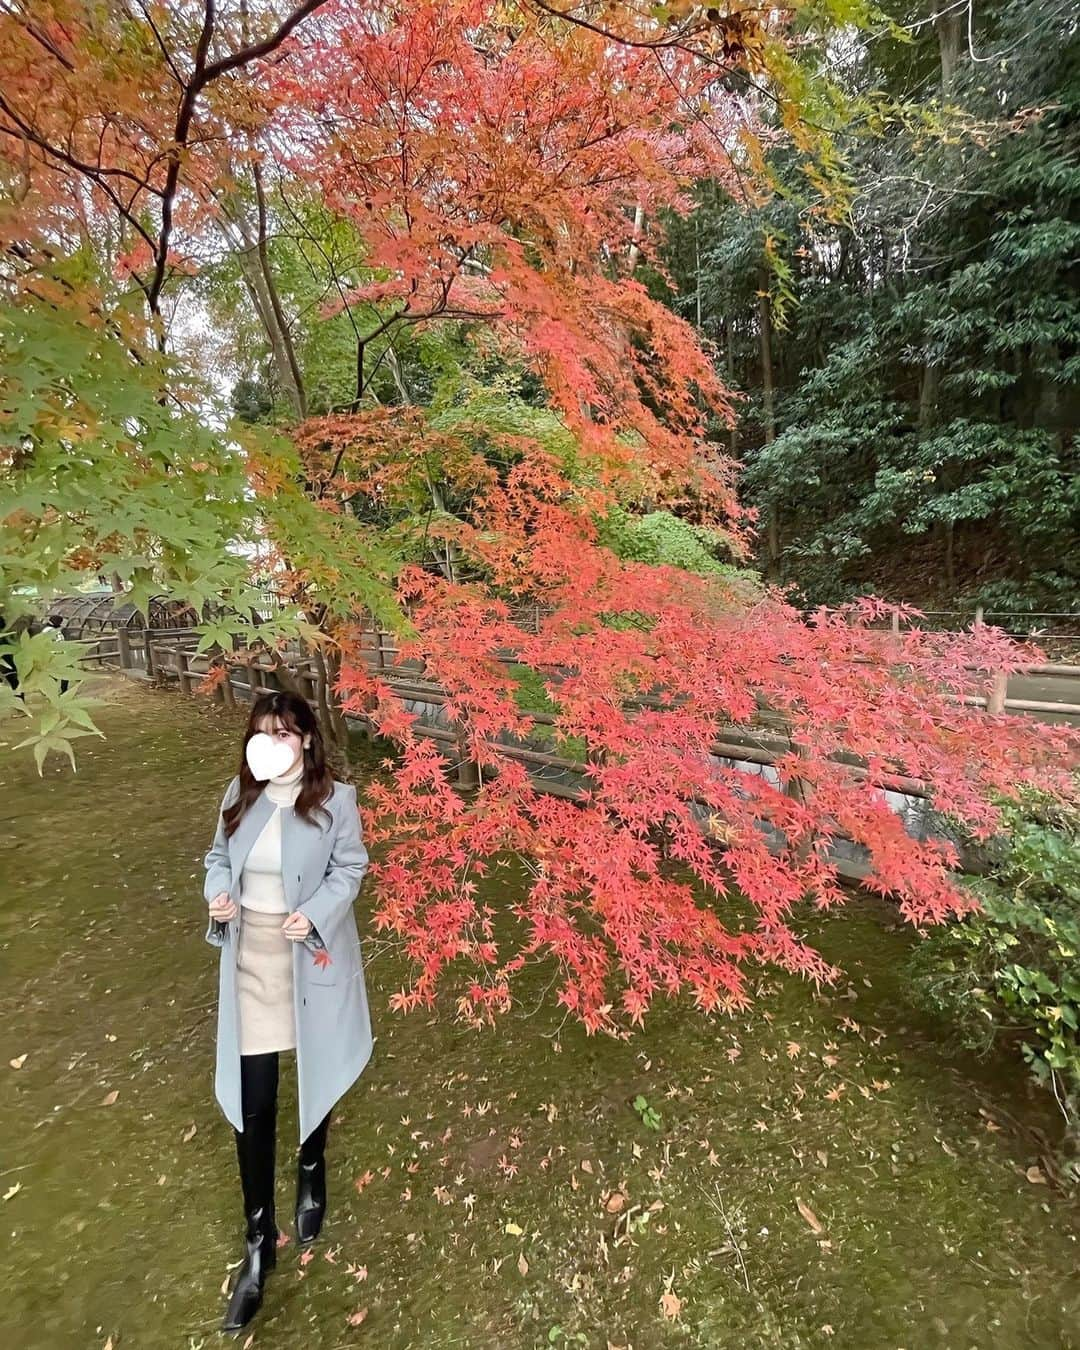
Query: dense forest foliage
[[911, 367], [908, 362]]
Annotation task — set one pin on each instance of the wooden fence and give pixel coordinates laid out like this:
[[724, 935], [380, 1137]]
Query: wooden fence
[[167, 657]]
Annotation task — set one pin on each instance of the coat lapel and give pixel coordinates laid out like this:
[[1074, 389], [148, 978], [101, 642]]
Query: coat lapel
[[245, 834], [291, 858], [300, 852]]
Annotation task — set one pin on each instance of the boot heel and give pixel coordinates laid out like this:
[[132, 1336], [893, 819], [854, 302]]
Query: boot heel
[[246, 1298], [247, 1293]]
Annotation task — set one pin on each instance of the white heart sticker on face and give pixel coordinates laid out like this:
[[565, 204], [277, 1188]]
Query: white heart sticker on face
[[266, 757]]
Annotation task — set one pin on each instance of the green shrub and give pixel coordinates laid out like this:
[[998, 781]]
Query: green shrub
[[1011, 973]]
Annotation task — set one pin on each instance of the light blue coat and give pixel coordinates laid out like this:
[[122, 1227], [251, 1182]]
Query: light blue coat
[[322, 867]]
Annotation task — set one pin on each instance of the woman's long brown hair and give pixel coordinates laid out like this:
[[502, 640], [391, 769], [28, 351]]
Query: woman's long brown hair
[[318, 782]]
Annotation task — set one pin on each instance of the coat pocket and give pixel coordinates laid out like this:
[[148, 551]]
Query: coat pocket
[[320, 967]]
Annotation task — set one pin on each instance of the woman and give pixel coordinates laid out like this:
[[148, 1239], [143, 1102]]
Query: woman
[[281, 876]]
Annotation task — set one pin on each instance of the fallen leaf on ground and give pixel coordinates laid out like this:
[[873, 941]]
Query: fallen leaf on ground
[[1036, 1176], [110, 1097], [809, 1215], [670, 1304]]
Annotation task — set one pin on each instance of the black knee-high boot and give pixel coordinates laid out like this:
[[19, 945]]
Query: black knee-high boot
[[311, 1183], [255, 1149]]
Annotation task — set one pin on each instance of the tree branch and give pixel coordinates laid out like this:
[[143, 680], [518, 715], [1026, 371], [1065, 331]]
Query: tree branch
[[203, 75], [259, 49]]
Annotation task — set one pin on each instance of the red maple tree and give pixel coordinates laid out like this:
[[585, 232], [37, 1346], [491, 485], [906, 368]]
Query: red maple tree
[[534, 156], [507, 170]]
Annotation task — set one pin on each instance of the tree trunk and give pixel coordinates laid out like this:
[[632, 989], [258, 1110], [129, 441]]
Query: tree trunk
[[928, 397], [255, 270], [950, 556], [768, 404], [451, 554], [281, 337], [639, 221], [729, 362], [950, 34], [765, 335], [928, 394], [255, 265]]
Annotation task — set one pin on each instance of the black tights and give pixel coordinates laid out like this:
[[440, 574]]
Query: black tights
[[258, 1095]]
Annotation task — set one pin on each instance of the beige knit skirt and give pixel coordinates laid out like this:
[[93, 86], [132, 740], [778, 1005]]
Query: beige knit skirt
[[264, 984]]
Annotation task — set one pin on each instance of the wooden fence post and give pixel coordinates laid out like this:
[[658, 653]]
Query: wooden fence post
[[468, 771], [799, 791], [998, 692], [123, 647], [148, 649]]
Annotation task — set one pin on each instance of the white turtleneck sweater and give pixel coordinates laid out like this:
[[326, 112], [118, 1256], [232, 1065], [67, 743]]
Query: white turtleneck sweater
[[261, 886]]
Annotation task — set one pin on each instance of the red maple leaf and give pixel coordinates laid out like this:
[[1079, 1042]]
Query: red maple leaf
[[322, 957]]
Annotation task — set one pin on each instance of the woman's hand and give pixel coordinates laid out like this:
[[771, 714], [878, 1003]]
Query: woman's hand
[[222, 907], [297, 926]]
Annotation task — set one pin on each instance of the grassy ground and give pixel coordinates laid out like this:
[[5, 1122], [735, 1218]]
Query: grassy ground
[[823, 1173]]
